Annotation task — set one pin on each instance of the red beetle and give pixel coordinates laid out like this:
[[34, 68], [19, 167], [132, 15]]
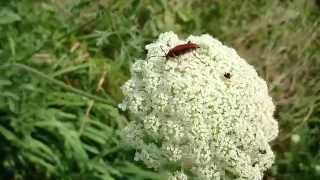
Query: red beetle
[[181, 49]]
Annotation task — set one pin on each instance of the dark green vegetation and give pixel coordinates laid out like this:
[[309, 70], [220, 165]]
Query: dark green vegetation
[[62, 63]]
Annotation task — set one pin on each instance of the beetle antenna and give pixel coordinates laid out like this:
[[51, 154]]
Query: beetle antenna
[[164, 52]]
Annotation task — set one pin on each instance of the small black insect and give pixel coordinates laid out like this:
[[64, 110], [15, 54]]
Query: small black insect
[[227, 75], [262, 151], [254, 164]]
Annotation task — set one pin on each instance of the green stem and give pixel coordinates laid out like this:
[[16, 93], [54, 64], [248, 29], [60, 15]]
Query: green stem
[[65, 86]]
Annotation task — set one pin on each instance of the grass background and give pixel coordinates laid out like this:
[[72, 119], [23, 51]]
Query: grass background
[[62, 63]]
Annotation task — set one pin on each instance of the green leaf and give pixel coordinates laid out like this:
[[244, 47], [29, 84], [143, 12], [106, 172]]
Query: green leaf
[[91, 149], [40, 149], [4, 82], [10, 95], [39, 161], [8, 134], [7, 16], [95, 135], [74, 145]]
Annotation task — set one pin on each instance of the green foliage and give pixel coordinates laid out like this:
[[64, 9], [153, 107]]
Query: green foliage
[[62, 64]]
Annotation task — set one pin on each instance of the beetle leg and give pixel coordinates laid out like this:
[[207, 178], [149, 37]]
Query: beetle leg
[[195, 55], [168, 44], [163, 50]]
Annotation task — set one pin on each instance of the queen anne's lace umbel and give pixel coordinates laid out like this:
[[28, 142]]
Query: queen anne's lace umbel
[[205, 113]]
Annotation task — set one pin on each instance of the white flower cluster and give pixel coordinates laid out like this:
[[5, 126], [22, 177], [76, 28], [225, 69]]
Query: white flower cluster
[[204, 113]]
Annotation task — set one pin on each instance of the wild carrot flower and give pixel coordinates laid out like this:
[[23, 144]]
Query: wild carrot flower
[[205, 113]]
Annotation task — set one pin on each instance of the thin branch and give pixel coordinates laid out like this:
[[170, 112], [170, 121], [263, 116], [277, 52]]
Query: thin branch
[[303, 122], [85, 120]]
